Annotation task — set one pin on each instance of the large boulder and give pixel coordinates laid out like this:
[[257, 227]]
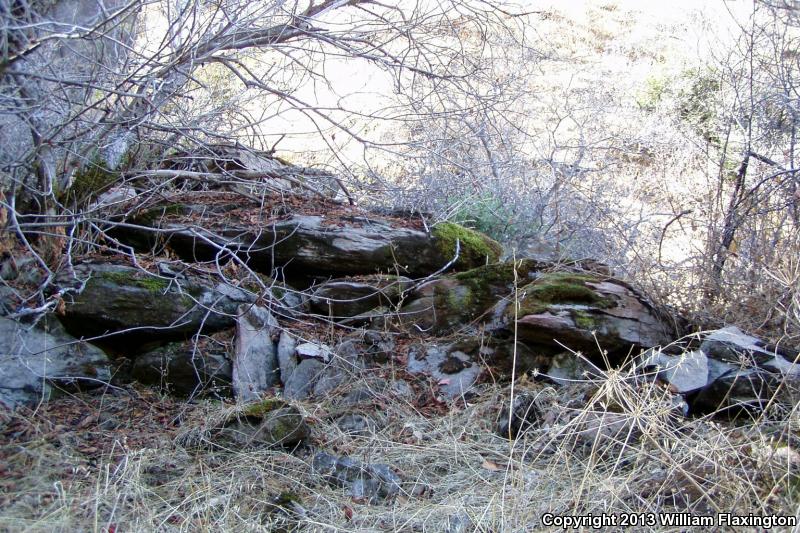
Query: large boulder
[[552, 309], [33, 363], [134, 306], [305, 244], [445, 304], [580, 311]]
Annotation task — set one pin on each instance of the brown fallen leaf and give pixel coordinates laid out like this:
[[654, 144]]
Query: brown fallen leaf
[[86, 421], [490, 465]]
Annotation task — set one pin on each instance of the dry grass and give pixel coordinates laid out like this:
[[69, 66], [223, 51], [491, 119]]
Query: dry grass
[[453, 465]]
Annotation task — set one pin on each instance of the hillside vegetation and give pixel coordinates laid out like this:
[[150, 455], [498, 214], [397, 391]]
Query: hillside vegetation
[[358, 266]]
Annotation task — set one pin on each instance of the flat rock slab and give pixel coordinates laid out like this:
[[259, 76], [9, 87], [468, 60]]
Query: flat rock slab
[[307, 244], [33, 362]]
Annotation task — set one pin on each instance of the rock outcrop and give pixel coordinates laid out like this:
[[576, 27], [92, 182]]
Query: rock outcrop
[[552, 309], [564, 320], [340, 298], [304, 244]]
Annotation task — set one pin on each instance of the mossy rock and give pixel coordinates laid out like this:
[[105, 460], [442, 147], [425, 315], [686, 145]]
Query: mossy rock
[[92, 180], [262, 408], [267, 423], [474, 247], [135, 278], [560, 288], [452, 301], [143, 307]]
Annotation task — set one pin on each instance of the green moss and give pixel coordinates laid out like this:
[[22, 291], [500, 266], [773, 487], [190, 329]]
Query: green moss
[[283, 428], [499, 274], [92, 180], [136, 279], [453, 304], [475, 248], [583, 319], [560, 288], [261, 408], [151, 216]]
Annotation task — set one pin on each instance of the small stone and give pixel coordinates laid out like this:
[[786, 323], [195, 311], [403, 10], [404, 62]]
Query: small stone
[[302, 381], [309, 350], [268, 423], [355, 424], [371, 483]]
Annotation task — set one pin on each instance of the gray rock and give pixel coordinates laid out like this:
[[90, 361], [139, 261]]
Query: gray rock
[[303, 379], [732, 345], [183, 369], [367, 482], [332, 377], [454, 371], [740, 390], [685, 373], [286, 355], [364, 392], [310, 350], [729, 373], [255, 366], [33, 363]]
